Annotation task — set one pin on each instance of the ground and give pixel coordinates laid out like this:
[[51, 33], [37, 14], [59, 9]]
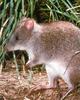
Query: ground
[[12, 88]]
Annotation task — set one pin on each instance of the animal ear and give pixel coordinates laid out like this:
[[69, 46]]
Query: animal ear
[[29, 24]]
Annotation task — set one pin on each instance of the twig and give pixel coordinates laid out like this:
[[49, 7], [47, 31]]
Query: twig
[[1, 66], [4, 24]]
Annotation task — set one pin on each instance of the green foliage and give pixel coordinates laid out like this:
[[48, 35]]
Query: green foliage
[[11, 11], [60, 10]]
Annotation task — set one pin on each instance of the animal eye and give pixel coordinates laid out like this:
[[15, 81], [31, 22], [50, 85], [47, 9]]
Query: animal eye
[[17, 38]]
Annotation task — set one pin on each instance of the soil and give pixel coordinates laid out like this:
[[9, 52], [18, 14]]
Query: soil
[[26, 87]]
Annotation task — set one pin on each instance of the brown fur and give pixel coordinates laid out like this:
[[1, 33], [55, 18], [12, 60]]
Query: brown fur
[[45, 43]]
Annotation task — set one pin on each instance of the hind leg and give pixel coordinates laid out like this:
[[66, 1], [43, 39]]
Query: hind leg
[[52, 83], [70, 85], [52, 77]]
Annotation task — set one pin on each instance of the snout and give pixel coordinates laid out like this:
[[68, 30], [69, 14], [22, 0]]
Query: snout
[[8, 47]]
